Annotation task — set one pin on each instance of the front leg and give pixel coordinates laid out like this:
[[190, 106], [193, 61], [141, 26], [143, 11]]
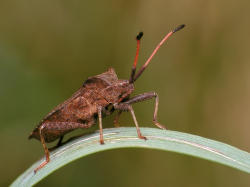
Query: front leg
[[126, 107], [144, 97]]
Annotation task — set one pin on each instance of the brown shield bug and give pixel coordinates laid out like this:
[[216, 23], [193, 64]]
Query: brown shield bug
[[99, 96]]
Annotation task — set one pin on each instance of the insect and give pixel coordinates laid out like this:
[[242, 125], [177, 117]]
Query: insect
[[99, 96]]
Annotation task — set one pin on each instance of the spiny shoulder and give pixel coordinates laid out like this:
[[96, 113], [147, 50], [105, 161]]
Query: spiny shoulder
[[108, 76]]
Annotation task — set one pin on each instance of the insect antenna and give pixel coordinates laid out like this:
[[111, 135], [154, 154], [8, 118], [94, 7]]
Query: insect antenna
[[138, 39], [135, 77]]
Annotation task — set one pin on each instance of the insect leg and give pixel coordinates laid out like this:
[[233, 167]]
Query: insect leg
[[45, 149], [116, 118], [126, 107], [144, 97], [99, 108], [60, 141], [63, 127]]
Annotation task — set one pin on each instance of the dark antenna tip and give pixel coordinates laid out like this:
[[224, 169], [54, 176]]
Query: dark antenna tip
[[178, 28], [138, 37]]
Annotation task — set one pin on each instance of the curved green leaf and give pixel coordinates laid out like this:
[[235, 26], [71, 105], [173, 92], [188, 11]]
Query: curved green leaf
[[127, 137]]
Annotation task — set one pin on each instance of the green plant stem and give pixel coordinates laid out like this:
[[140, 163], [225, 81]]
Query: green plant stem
[[127, 137]]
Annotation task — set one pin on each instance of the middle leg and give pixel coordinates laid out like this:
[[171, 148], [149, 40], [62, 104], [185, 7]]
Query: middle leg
[[99, 109]]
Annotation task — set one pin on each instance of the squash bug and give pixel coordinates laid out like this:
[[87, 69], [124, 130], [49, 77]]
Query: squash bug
[[99, 96]]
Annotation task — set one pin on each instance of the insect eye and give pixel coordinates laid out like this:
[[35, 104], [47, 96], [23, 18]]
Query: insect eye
[[123, 83]]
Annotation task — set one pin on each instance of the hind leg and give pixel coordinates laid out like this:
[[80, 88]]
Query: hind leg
[[56, 127]]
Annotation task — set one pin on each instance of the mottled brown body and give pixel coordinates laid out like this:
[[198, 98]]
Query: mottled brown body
[[99, 96], [80, 110]]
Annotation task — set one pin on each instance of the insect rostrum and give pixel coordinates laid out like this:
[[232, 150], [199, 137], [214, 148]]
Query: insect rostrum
[[99, 96]]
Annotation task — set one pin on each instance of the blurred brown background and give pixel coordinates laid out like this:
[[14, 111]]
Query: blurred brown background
[[201, 74]]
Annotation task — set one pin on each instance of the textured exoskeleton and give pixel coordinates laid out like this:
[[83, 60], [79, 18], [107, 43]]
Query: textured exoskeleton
[[99, 96]]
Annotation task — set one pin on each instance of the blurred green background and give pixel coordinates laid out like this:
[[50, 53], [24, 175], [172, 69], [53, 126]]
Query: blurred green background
[[201, 74]]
